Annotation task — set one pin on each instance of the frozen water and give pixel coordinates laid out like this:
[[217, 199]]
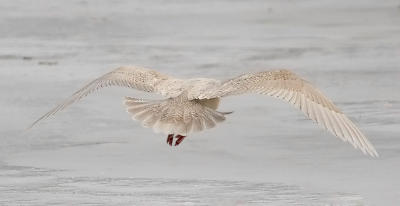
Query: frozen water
[[264, 154]]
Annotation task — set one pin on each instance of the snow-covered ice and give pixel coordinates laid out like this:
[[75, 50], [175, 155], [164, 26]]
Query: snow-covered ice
[[264, 154]]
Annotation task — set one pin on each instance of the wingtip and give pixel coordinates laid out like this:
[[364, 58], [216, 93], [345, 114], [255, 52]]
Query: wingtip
[[31, 126], [375, 154], [27, 129], [371, 152]]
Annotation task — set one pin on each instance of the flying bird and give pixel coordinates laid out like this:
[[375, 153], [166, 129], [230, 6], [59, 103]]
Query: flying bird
[[191, 104]]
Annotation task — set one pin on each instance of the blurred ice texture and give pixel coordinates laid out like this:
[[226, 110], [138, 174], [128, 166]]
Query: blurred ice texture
[[265, 153]]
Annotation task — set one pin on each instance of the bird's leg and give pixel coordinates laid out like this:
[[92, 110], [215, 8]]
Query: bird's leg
[[179, 139], [170, 139]]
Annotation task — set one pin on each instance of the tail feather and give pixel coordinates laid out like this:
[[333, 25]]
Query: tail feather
[[172, 116]]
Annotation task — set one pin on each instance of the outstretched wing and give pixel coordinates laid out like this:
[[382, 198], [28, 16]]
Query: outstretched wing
[[128, 76], [289, 87]]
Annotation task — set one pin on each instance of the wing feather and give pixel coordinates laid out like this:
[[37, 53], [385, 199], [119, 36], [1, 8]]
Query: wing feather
[[289, 87], [128, 76]]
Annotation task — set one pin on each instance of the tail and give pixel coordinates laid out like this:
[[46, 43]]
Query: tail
[[173, 116]]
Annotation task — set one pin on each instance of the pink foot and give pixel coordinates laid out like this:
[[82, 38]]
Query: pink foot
[[179, 139], [170, 139]]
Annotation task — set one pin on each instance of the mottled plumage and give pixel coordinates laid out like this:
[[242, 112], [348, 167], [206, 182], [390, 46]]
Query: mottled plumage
[[191, 104]]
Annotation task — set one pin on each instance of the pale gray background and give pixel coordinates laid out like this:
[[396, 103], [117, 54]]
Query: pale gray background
[[266, 153]]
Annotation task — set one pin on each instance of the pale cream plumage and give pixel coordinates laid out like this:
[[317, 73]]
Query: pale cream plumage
[[191, 104]]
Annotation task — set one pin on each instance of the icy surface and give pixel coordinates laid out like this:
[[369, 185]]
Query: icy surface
[[266, 153]]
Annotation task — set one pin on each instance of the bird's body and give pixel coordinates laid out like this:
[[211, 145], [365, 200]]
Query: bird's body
[[191, 104]]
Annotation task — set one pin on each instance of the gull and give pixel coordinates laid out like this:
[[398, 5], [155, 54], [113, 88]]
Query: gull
[[190, 105]]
